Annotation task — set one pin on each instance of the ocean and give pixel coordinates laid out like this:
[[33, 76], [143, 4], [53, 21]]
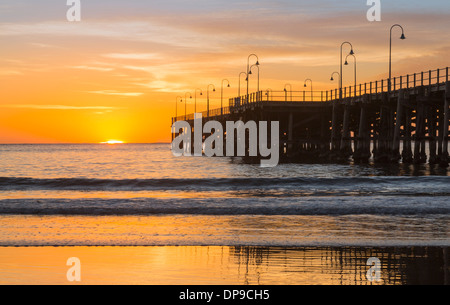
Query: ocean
[[129, 195]]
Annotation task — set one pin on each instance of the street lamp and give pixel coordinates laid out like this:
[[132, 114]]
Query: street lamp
[[304, 85], [176, 106], [195, 101], [285, 91], [221, 95], [332, 79], [346, 64], [207, 98], [268, 91], [390, 52], [185, 104], [256, 65], [351, 53], [248, 69], [239, 87]]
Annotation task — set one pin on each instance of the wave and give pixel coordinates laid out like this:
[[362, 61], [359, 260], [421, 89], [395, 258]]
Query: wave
[[433, 184], [374, 205]]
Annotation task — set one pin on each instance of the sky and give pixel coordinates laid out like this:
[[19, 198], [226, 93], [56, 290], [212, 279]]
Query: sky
[[116, 73]]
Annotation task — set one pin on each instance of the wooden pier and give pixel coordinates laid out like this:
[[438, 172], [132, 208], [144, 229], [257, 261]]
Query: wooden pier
[[408, 122]]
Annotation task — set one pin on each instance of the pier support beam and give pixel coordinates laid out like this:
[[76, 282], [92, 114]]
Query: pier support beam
[[335, 129], [290, 133], [324, 138], [346, 150], [407, 154], [419, 152], [362, 149], [398, 123], [445, 157], [432, 115], [381, 150]]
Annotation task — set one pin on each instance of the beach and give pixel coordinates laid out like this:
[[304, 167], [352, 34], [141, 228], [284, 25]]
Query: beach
[[141, 220], [216, 265]]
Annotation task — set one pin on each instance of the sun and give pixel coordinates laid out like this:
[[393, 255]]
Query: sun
[[112, 142]]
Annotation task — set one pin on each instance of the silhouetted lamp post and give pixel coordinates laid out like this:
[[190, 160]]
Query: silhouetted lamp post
[[332, 79], [195, 101], [221, 95], [309, 80], [268, 91], [340, 74], [252, 73], [239, 87], [248, 69], [207, 98], [390, 51], [176, 106], [346, 64], [185, 104], [285, 91]]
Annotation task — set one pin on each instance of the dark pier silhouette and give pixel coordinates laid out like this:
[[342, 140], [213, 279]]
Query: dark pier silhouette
[[403, 119]]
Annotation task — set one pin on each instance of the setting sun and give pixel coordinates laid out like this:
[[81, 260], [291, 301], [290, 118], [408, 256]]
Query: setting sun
[[112, 142]]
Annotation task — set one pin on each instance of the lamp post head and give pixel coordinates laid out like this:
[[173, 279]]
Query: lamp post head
[[403, 37], [246, 79], [257, 63], [201, 93], [228, 86], [346, 63], [304, 85], [250, 72], [351, 52], [332, 79], [214, 90]]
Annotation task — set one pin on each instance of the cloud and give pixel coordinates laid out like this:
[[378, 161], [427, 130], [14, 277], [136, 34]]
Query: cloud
[[138, 56], [10, 72], [163, 86], [93, 68], [141, 31], [59, 107], [113, 92]]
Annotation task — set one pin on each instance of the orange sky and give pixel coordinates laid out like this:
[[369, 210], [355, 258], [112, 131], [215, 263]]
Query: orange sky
[[116, 74]]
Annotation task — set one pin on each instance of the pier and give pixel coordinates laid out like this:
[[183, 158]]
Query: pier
[[405, 119]]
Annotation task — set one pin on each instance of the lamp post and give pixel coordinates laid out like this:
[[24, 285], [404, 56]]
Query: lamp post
[[221, 95], [176, 106], [195, 101], [185, 104], [248, 69], [207, 98], [304, 85], [268, 91], [351, 53], [390, 51], [332, 79], [239, 88], [258, 74], [354, 61], [285, 91]]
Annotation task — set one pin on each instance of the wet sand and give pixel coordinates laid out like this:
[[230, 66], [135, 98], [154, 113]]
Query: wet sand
[[203, 265]]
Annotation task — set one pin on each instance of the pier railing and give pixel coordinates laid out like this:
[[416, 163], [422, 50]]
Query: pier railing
[[436, 78]]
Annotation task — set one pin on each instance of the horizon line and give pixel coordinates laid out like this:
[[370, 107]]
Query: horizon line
[[92, 143]]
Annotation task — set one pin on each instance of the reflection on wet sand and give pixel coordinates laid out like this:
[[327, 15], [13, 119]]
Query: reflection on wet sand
[[346, 266], [225, 265], [411, 170]]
